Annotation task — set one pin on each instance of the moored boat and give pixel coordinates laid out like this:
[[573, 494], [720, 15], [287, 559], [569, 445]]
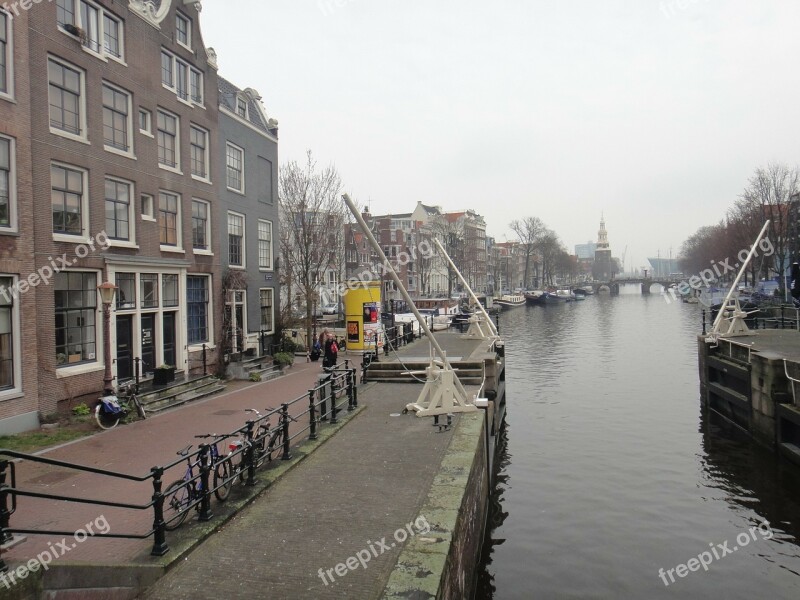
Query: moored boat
[[510, 300]]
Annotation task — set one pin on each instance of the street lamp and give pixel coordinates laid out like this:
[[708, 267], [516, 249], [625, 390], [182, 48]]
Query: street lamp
[[107, 290]]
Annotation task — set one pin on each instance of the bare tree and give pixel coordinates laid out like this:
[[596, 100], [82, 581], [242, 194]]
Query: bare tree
[[312, 221], [529, 231]]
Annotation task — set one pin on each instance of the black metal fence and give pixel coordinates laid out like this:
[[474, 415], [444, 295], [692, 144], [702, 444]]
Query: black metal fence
[[336, 391]]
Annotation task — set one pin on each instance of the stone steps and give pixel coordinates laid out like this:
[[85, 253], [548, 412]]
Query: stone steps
[[180, 393]]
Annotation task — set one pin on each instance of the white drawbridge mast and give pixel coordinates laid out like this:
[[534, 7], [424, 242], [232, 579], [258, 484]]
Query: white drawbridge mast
[[443, 392]]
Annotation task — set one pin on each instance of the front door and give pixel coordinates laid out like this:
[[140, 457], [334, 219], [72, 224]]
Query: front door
[[235, 317], [168, 319], [124, 347], [148, 343]]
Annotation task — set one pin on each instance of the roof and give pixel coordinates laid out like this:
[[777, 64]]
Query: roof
[[256, 114]]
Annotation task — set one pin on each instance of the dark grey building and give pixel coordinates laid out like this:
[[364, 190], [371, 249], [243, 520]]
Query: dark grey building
[[248, 213]]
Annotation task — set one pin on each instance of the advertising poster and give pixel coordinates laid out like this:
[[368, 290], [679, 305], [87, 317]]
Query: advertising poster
[[352, 332]]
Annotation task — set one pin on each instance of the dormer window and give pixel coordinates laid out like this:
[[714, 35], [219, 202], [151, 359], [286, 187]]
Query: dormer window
[[241, 107]]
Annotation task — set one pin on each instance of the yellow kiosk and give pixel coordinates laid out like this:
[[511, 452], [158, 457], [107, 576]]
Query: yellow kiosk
[[362, 309]]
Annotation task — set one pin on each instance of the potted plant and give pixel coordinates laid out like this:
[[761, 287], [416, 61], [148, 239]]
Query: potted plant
[[163, 375]]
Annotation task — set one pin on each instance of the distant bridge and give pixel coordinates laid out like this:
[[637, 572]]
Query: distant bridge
[[644, 282]]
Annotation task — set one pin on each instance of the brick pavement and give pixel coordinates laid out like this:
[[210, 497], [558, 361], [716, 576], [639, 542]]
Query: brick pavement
[[134, 449], [369, 481]]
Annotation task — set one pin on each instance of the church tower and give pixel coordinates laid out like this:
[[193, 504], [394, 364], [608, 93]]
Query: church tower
[[603, 268]]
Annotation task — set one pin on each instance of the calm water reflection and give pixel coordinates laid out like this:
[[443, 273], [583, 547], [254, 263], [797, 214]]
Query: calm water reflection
[[612, 472]]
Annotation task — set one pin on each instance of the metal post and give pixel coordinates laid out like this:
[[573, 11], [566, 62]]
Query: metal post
[[249, 456], [285, 418], [108, 390], [333, 401], [160, 547], [783, 324], [5, 513], [312, 416], [351, 401], [323, 396], [205, 472], [704, 321], [205, 370], [136, 367]]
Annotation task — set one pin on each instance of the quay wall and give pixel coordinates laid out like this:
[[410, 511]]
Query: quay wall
[[442, 564]]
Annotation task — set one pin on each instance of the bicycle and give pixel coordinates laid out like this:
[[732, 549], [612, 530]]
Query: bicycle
[[185, 492], [110, 410], [265, 441]]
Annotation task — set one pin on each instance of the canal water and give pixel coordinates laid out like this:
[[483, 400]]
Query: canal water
[[612, 471]]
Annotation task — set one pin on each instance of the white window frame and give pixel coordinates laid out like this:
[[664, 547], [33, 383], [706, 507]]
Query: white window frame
[[179, 16], [114, 150], [84, 137], [83, 237], [102, 53], [177, 167], [147, 207], [271, 264], [207, 178], [227, 179], [208, 251], [173, 87], [244, 239], [149, 114], [241, 98], [16, 347], [260, 323], [178, 247], [13, 223], [131, 241], [8, 94]]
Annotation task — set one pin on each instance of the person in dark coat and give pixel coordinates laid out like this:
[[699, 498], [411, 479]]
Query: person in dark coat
[[331, 350]]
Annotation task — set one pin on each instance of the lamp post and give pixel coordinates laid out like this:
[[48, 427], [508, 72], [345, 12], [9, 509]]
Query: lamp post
[[107, 290]]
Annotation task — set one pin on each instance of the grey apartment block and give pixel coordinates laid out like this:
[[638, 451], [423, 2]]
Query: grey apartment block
[[248, 217]]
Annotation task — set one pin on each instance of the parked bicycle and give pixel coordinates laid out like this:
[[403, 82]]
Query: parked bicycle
[[110, 410], [183, 493], [266, 441]]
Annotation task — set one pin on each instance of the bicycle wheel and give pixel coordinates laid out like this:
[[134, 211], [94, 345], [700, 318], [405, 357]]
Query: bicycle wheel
[[139, 406], [223, 482], [275, 444], [260, 446], [176, 503], [105, 419]]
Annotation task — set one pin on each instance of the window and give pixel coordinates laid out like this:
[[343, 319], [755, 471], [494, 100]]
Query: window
[[197, 308], [241, 107], [116, 116], [167, 70], [149, 294], [200, 225], [147, 207], [235, 164], [235, 240], [196, 86], [180, 77], [267, 314], [181, 80], [169, 290], [6, 62], [75, 313], [118, 210], [67, 101], [168, 218], [126, 290], [99, 31], [198, 140], [183, 30], [7, 326], [145, 121], [7, 180], [264, 180], [67, 198], [264, 244], [167, 139]]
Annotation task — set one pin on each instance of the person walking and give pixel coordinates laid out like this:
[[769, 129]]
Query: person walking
[[331, 350]]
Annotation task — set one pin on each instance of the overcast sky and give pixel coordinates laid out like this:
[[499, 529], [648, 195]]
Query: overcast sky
[[653, 112]]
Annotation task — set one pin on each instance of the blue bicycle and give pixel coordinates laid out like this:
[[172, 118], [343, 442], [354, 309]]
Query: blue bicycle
[[183, 493]]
